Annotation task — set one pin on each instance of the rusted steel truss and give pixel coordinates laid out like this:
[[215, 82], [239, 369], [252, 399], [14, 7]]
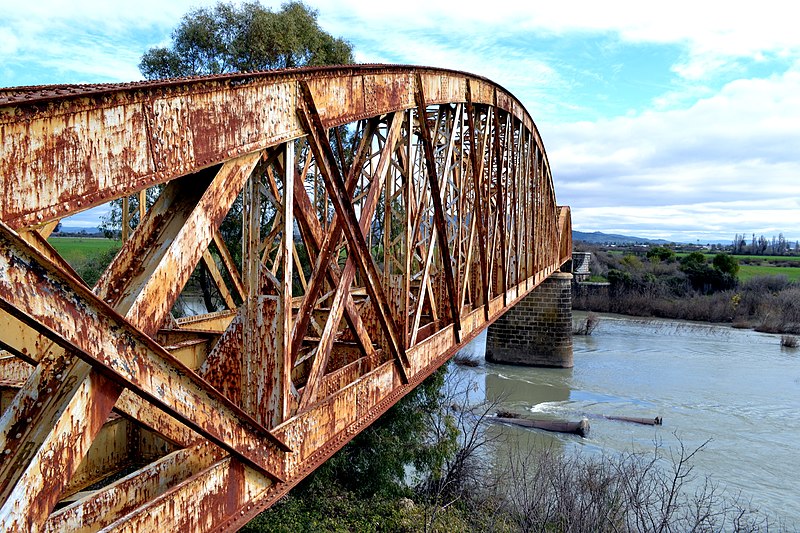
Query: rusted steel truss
[[388, 215]]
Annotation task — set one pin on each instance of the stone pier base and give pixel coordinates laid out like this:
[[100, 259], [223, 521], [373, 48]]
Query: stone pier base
[[538, 330]]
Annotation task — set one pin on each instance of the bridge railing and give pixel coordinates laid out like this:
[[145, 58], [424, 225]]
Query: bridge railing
[[349, 229]]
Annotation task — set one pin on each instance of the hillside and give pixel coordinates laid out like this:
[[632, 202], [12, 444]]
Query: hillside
[[598, 237]]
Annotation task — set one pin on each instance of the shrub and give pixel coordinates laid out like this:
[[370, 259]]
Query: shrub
[[463, 359], [550, 491], [632, 262], [587, 325], [692, 289], [660, 253], [727, 264]]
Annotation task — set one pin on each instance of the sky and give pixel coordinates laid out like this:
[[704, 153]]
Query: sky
[[676, 120]]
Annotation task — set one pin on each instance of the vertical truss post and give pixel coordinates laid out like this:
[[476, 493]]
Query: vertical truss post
[[477, 192], [142, 204], [500, 201], [438, 210], [283, 361], [126, 219], [262, 349]]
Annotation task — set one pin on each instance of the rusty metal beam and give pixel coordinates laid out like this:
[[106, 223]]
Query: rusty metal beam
[[478, 200], [127, 356], [343, 288], [213, 270], [43, 437], [469, 226], [126, 495], [344, 210], [170, 243], [438, 210], [324, 245]]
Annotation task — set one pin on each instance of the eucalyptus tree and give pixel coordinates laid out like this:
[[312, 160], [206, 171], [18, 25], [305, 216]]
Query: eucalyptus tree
[[227, 38]]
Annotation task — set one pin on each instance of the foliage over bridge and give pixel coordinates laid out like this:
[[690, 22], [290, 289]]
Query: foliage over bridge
[[388, 215]]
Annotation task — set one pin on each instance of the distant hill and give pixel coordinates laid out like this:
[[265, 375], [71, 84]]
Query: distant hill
[[598, 237], [79, 230]]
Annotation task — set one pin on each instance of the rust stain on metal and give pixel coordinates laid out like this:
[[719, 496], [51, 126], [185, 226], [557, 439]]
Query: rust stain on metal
[[445, 216]]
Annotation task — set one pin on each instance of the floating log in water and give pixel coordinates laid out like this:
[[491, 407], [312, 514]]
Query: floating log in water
[[560, 426], [636, 420]]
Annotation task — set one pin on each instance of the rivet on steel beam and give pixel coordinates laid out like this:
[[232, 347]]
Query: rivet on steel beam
[[18, 436]]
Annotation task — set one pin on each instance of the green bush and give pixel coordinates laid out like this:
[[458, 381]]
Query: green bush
[[727, 264], [660, 253]]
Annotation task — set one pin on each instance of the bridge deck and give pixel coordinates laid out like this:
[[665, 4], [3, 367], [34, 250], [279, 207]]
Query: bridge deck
[[350, 228]]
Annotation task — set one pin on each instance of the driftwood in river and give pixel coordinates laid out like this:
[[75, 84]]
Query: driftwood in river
[[636, 420], [560, 426]]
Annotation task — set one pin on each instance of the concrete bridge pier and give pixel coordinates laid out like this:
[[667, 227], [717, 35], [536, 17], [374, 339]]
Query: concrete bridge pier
[[538, 330]]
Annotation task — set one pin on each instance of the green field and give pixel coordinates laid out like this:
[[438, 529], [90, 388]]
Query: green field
[[749, 271], [768, 257], [763, 268], [78, 249]]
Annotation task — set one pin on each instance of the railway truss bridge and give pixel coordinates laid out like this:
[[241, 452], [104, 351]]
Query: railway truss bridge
[[355, 226]]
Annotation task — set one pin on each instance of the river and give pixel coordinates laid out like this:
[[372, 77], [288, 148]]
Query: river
[[737, 389]]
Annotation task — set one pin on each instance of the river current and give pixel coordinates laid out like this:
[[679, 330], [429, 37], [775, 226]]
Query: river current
[[737, 390]]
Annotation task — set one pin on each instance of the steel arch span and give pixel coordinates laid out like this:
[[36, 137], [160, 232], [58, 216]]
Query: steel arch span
[[350, 228]]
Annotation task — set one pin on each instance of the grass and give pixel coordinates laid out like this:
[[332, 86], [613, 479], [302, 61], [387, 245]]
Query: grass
[[79, 249], [88, 256], [769, 257], [750, 271]]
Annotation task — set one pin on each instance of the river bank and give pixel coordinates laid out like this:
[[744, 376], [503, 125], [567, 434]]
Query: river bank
[[694, 287], [764, 304]]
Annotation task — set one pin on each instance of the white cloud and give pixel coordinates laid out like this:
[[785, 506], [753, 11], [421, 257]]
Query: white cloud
[[83, 41], [706, 222], [712, 33], [8, 42], [722, 161]]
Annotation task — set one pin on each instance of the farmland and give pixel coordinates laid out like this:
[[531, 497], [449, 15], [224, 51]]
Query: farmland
[[77, 250], [750, 271]]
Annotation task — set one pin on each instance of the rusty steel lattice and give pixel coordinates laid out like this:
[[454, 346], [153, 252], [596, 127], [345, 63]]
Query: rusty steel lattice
[[389, 214]]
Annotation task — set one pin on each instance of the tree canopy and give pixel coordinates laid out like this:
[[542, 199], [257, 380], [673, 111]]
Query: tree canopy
[[727, 264], [230, 38], [660, 253], [707, 279]]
